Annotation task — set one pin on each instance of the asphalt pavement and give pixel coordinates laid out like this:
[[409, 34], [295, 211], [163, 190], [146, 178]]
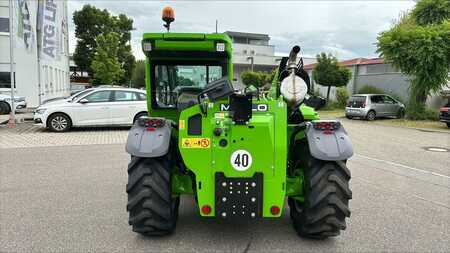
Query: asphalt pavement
[[71, 198]]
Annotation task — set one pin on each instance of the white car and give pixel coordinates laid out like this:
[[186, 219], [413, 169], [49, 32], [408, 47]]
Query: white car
[[5, 103], [93, 107]]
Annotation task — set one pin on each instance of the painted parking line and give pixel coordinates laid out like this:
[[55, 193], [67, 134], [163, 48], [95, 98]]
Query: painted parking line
[[403, 166]]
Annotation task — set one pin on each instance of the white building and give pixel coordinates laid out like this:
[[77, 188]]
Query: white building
[[43, 34], [253, 51]]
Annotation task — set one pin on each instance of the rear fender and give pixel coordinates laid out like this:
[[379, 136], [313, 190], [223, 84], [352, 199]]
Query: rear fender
[[333, 146], [143, 143]]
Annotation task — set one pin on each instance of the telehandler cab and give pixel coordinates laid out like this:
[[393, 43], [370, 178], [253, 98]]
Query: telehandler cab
[[240, 153]]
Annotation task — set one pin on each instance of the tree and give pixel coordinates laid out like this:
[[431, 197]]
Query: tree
[[138, 77], [105, 65], [431, 12], [327, 72], [257, 78], [91, 22], [419, 45]]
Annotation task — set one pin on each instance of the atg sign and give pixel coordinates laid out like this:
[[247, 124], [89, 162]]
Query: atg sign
[[50, 28]]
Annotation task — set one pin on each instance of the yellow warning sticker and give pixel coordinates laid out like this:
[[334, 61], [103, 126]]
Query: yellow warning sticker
[[181, 124], [219, 115], [195, 143]]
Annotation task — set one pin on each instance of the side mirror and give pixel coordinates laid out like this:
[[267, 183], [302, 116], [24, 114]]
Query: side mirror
[[83, 101]]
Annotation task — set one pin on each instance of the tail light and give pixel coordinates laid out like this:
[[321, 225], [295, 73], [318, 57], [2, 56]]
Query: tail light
[[326, 125], [444, 109], [151, 122], [206, 209], [274, 210]]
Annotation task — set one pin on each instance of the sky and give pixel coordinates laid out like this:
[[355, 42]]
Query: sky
[[347, 29]]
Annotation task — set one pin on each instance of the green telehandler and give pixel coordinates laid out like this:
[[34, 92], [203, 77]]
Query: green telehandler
[[240, 153]]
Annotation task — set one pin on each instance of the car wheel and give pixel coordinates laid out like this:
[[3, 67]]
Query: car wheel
[[141, 114], [348, 117], [4, 108], [371, 115], [59, 122], [448, 124], [401, 113]]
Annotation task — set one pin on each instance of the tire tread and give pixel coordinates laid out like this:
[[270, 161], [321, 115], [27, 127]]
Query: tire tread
[[152, 210], [327, 194]]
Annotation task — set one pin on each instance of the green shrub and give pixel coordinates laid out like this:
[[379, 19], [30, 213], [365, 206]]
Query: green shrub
[[367, 89], [331, 105], [257, 78], [419, 112], [341, 96]]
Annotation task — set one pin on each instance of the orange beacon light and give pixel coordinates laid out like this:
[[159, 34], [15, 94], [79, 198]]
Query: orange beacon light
[[168, 16]]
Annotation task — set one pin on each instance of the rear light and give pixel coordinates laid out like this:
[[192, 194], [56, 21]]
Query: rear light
[[444, 109], [274, 210], [326, 125], [206, 209], [151, 122]]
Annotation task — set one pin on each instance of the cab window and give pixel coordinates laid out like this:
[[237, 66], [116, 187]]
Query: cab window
[[168, 77]]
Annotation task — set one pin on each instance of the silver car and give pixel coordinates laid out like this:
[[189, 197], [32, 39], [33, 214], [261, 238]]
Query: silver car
[[371, 106]]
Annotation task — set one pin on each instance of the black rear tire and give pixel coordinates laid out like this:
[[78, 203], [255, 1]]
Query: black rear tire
[[371, 115], [448, 124], [349, 117], [152, 209], [327, 194], [4, 108]]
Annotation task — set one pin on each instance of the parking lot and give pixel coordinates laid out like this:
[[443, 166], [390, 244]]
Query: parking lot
[[66, 192]]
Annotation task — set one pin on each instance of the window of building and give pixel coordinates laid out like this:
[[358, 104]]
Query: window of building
[[4, 25], [240, 40], [259, 42], [5, 80], [380, 68]]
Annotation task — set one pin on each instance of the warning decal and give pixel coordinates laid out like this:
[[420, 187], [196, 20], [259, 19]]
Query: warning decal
[[181, 124], [195, 143]]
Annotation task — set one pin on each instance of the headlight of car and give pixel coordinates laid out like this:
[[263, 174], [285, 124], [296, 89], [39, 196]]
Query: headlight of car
[[40, 111]]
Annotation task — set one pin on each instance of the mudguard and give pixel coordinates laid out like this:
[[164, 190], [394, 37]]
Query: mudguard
[[143, 143], [333, 146]]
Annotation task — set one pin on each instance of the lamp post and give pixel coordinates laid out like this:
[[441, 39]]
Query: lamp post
[[11, 58]]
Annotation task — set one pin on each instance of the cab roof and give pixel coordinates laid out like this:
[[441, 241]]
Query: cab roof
[[188, 37]]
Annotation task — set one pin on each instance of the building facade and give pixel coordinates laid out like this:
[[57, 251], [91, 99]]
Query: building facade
[[377, 73], [41, 49], [252, 51]]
